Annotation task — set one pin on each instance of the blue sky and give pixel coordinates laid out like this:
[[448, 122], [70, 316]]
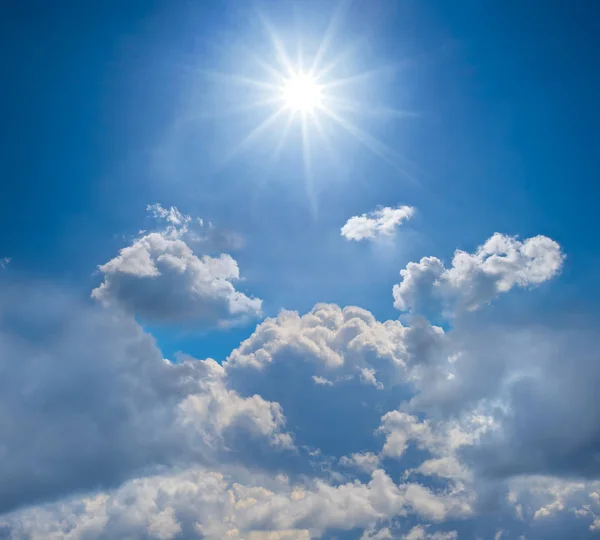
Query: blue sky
[[480, 117]]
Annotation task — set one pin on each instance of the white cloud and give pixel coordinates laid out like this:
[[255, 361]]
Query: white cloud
[[333, 342], [421, 533], [160, 279], [194, 231], [497, 266], [380, 223], [366, 461], [276, 441], [367, 375], [211, 505]]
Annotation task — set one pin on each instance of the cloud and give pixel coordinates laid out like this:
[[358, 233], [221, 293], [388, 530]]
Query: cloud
[[377, 224], [542, 498], [318, 423], [160, 279], [194, 231], [381, 534], [366, 462], [501, 263], [93, 405], [199, 503], [420, 533], [87, 401], [336, 344], [315, 366], [541, 382]]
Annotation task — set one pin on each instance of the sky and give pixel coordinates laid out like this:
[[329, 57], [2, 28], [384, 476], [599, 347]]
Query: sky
[[299, 269]]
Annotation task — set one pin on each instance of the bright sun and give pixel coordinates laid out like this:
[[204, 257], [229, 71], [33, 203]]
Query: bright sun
[[301, 93], [315, 90]]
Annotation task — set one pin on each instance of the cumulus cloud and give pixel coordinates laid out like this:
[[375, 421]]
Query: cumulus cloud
[[339, 365], [317, 423], [160, 279], [199, 503], [87, 400], [93, 403], [335, 342], [377, 224], [501, 263]]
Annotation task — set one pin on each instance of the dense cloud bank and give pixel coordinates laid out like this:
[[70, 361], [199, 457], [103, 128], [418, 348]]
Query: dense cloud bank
[[322, 424]]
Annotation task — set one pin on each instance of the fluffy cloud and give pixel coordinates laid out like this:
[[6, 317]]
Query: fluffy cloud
[[201, 503], [317, 423], [380, 223], [160, 279], [92, 403], [336, 343], [497, 266], [315, 365], [87, 400]]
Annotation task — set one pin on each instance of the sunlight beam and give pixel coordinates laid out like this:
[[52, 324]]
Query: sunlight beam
[[254, 134], [324, 96], [334, 22], [280, 52], [241, 80], [373, 144], [308, 176]]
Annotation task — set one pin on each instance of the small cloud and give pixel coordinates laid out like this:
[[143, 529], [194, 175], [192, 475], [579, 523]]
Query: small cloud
[[367, 376], [322, 381], [366, 462], [379, 223], [4, 262]]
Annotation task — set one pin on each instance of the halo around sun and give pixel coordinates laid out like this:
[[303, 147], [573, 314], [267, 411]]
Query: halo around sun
[[313, 94]]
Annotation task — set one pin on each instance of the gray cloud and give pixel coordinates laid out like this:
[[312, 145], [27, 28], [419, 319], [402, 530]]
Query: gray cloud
[[394, 425], [86, 400]]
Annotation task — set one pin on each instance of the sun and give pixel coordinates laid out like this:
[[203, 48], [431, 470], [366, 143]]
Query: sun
[[316, 91], [301, 93]]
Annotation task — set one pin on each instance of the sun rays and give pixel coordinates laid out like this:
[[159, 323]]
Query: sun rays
[[312, 94]]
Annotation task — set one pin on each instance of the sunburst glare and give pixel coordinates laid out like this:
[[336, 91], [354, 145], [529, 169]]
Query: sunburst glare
[[321, 99], [301, 93]]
